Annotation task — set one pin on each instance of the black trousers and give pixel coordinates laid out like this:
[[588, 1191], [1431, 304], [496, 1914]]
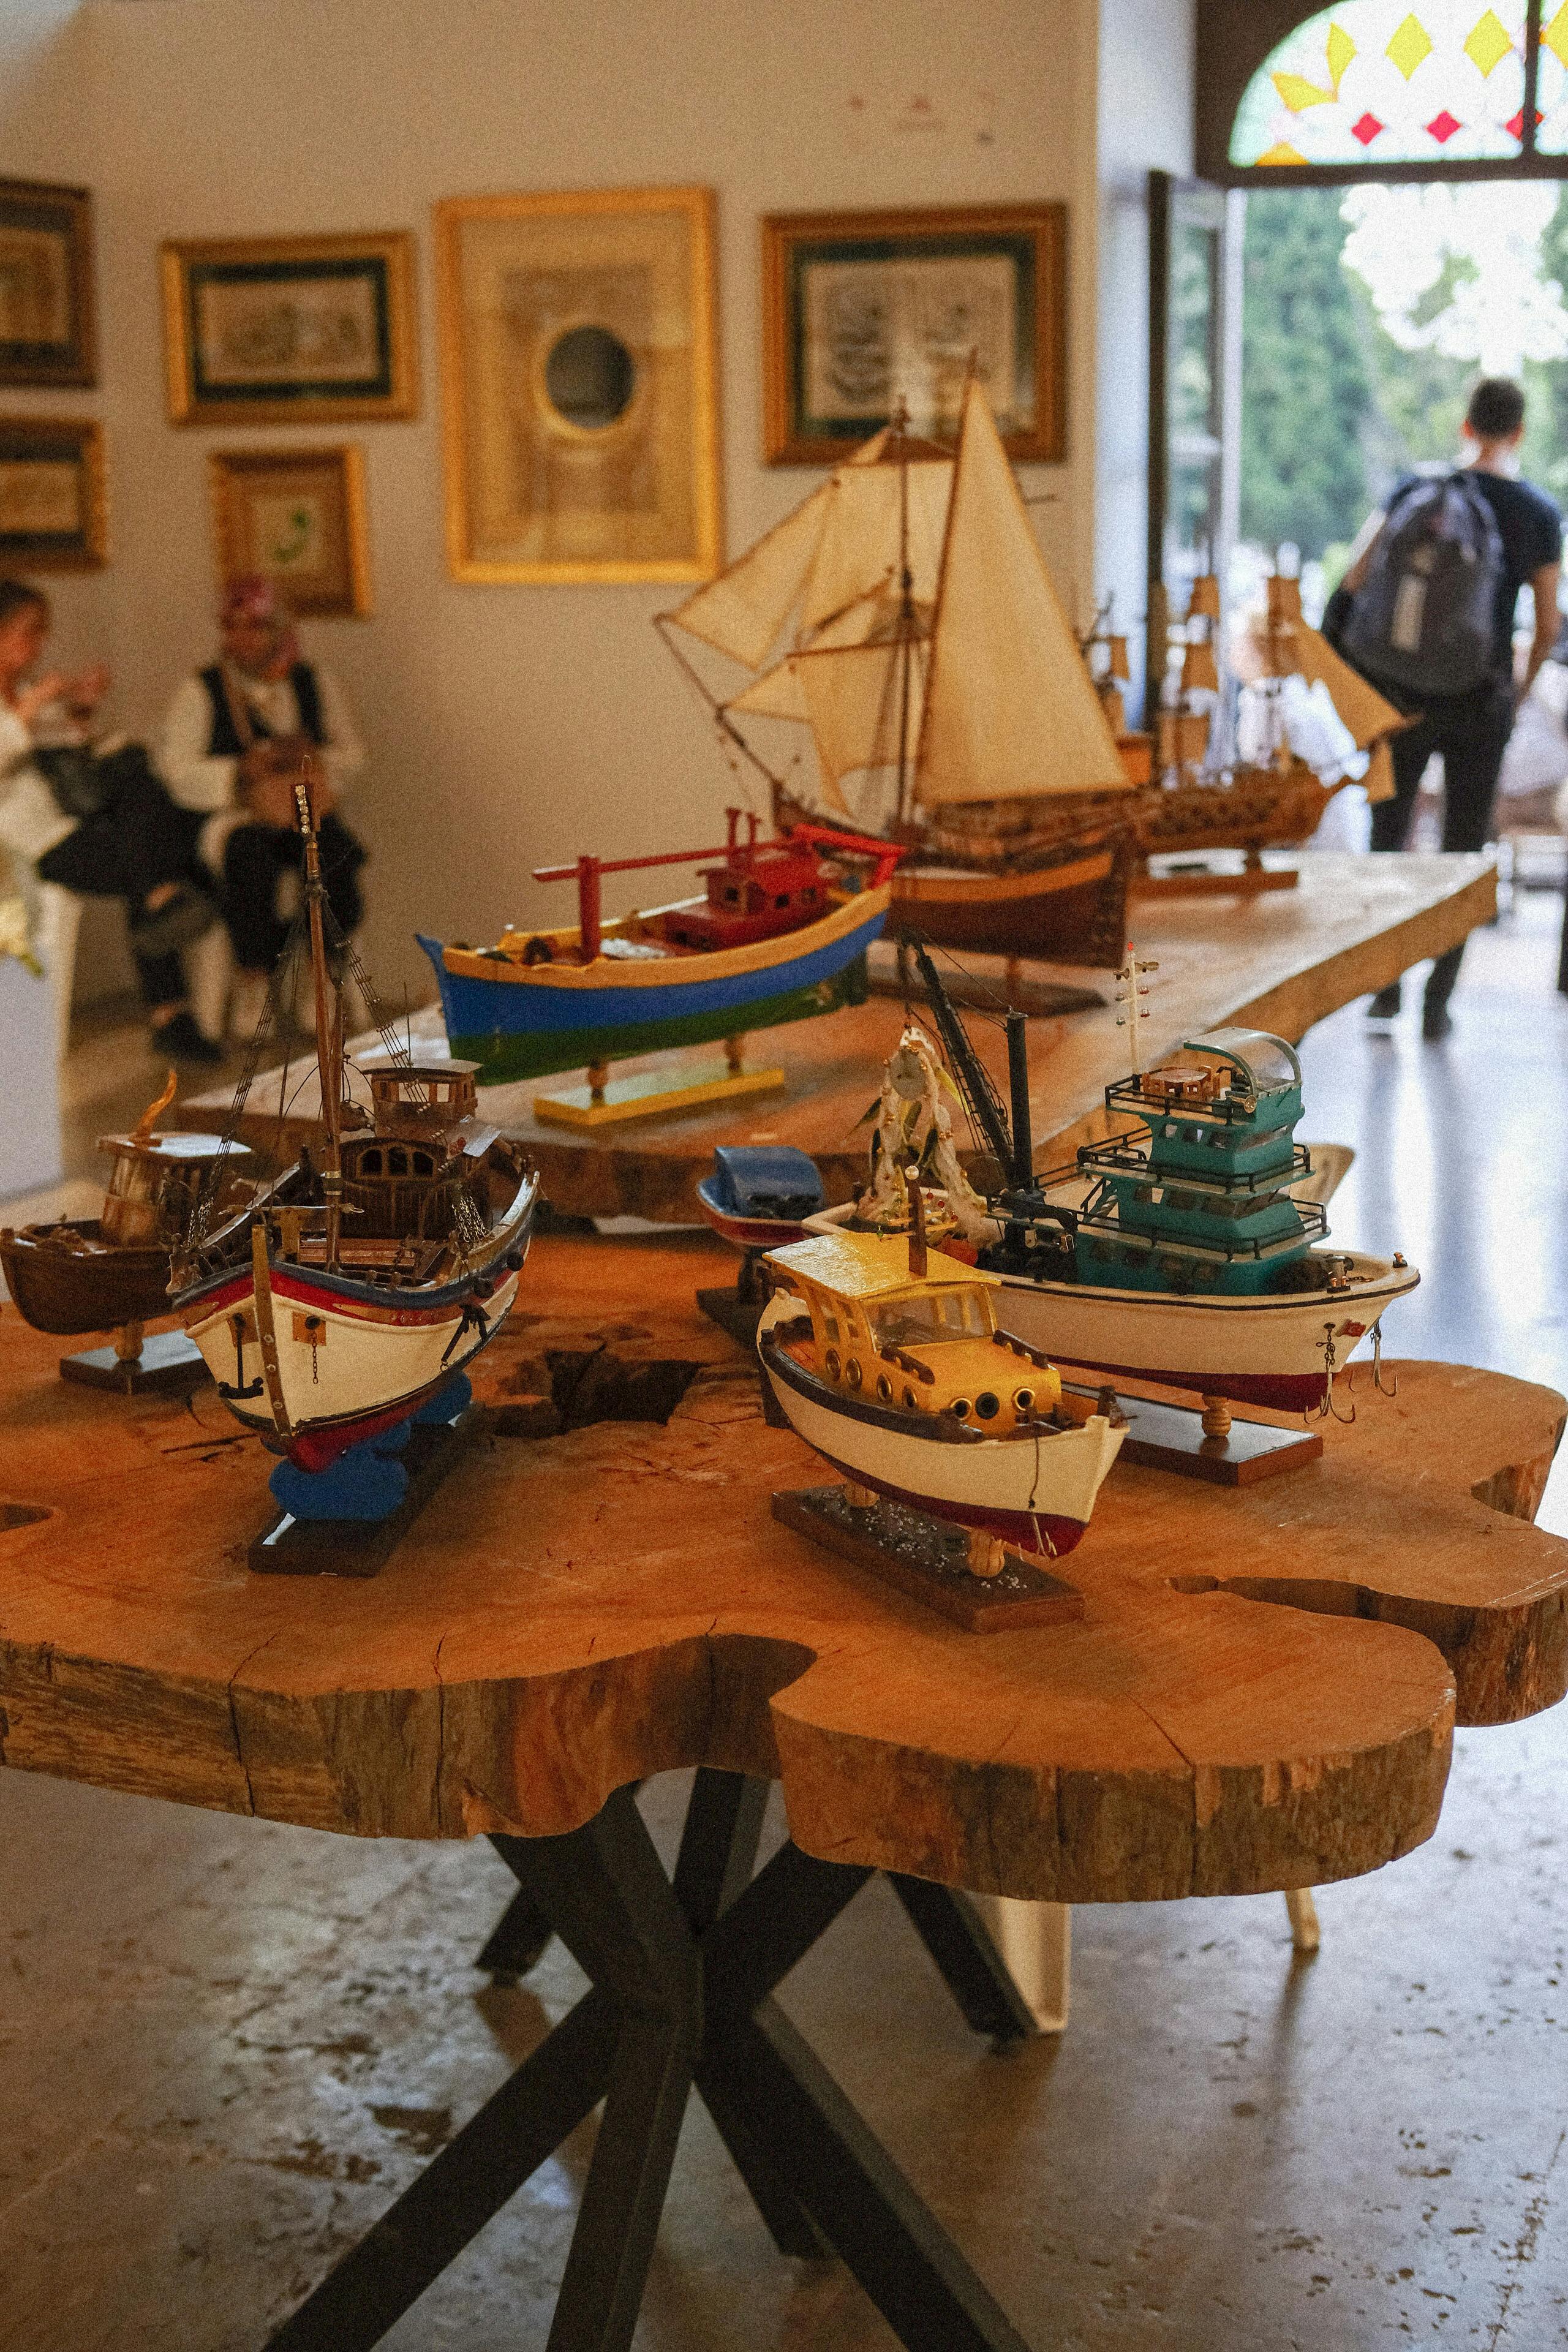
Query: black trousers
[[141, 839], [255, 856], [1471, 731]]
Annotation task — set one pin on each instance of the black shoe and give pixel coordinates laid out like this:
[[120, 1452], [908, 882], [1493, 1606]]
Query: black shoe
[[1436, 1023], [178, 923], [1384, 1005], [184, 1041]]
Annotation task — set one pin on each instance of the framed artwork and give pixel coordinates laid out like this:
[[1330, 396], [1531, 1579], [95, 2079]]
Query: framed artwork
[[53, 514], [302, 330], [861, 310], [579, 383], [47, 329], [299, 516]]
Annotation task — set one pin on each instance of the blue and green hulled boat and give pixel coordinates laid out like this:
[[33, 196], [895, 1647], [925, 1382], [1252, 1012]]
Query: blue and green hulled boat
[[780, 934]]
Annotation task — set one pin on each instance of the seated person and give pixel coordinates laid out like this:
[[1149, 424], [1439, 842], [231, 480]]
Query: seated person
[[98, 822], [239, 736]]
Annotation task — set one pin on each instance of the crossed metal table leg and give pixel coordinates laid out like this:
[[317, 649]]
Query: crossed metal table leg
[[681, 1973]]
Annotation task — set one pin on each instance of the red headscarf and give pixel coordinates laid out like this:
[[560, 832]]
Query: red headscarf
[[255, 597]]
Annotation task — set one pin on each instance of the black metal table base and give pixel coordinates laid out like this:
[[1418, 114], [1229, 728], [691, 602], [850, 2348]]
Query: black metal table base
[[681, 1974]]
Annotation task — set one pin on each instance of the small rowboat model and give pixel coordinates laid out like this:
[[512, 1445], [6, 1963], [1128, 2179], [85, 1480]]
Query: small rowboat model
[[781, 934], [359, 1285], [888, 1360], [759, 1195], [110, 1273]]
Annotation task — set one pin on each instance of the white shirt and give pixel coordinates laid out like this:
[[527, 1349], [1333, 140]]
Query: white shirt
[[32, 822], [198, 781]]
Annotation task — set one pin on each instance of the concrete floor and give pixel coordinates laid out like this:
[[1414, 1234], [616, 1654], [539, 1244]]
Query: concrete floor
[[224, 2045]]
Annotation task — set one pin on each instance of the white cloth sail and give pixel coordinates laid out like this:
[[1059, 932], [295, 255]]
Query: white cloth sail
[[1011, 711], [742, 612]]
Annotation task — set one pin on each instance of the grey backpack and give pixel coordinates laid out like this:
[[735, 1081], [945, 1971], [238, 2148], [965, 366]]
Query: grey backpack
[[1422, 616]]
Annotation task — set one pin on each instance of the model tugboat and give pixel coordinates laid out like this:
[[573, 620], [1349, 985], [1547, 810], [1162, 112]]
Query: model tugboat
[[110, 1273], [780, 933], [355, 1289], [888, 1358]]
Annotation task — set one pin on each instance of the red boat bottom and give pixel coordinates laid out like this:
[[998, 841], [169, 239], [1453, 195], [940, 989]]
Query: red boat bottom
[[318, 1449], [1278, 1391]]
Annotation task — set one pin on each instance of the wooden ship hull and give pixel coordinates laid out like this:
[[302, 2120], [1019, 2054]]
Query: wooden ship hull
[[1071, 911], [1252, 809], [1034, 1489], [66, 1278], [1272, 1350], [317, 1361], [519, 1019]]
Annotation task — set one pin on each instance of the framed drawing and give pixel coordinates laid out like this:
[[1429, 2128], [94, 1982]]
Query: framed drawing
[[299, 516], [861, 310], [53, 513], [579, 384], [302, 330], [47, 327]]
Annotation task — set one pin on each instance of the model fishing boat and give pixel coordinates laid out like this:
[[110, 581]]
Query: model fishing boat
[[888, 1359], [1273, 799], [110, 1273], [759, 1195], [781, 934], [903, 618], [358, 1287], [1177, 1252]]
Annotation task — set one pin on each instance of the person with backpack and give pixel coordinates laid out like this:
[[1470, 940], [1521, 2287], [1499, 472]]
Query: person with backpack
[[1433, 582]]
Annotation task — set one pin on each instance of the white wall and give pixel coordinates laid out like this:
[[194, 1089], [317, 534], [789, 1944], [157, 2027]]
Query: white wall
[[1145, 123], [511, 725]]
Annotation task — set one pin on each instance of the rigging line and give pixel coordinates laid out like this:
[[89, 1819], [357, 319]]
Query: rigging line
[[212, 1184]]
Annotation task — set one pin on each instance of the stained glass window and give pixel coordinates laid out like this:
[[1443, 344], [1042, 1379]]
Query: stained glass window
[[1385, 81], [1552, 82]]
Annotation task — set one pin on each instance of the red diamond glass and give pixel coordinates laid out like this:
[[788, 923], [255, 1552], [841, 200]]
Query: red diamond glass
[[1366, 129], [1443, 126]]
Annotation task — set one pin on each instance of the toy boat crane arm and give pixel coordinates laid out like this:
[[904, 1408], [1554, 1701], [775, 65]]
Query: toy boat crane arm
[[1013, 1146]]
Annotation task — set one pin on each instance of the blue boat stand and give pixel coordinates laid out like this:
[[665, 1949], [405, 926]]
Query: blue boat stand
[[368, 1482]]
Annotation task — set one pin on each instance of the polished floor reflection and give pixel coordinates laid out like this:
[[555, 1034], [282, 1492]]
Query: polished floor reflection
[[224, 2045]]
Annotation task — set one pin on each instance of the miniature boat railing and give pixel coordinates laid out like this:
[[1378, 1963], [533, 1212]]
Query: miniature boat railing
[[1128, 1094], [588, 872], [1126, 1160], [1314, 1227], [1010, 1340], [890, 1354]]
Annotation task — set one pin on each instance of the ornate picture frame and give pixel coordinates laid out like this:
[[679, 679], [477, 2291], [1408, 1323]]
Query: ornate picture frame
[[579, 374], [290, 329], [48, 325], [299, 516], [53, 502], [859, 308]]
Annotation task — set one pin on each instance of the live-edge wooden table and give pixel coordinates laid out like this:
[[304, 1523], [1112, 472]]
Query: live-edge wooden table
[[574, 1611]]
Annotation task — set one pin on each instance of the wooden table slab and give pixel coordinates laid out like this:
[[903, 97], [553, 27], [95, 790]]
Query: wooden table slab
[[579, 1609], [1280, 960]]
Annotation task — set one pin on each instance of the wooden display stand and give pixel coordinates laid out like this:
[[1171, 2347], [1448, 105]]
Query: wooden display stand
[[586, 1609]]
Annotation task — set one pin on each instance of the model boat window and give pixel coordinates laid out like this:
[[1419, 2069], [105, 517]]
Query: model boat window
[[916, 1322]]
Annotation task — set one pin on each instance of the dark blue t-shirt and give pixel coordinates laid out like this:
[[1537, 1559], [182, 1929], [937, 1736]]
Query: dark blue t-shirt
[[1529, 526]]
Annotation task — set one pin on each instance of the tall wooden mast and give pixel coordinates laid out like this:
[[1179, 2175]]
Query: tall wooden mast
[[329, 1027]]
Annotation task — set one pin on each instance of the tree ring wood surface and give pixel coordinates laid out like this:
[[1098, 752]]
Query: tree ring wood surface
[[581, 1609]]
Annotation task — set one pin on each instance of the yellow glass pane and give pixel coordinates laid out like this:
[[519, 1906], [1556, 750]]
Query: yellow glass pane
[[1297, 92], [1341, 50], [1410, 46], [1486, 44], [1554, 37], [1282, 154]]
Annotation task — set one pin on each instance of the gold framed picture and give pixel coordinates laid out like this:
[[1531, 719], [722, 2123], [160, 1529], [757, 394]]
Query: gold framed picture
[[53, 509], [861, 310], [47, 327], [580, 386], [290, 329], [298, 516]]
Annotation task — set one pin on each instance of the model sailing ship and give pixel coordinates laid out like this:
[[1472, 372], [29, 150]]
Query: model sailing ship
[[1176, 1252], [902, 615], [356, 1287], [110, 1273], [1273, 799], [888, 1358], [780, 935]]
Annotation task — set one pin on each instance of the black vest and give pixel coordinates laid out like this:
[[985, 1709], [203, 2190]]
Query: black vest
[[224, 743]]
